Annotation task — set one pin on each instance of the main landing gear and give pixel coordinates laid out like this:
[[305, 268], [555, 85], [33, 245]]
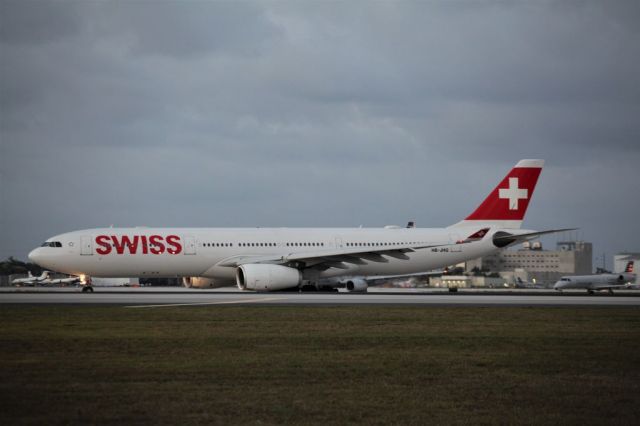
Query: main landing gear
[[87, 289], [314, 289]]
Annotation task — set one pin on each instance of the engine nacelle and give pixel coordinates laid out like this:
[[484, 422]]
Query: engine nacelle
[[265, 277], [357, 285]]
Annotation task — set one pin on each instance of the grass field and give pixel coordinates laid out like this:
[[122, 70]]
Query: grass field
[[302, 365]]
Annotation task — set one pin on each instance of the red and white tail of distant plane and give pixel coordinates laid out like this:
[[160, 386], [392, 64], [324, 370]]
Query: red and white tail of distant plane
[[599, 282], [266, 259]]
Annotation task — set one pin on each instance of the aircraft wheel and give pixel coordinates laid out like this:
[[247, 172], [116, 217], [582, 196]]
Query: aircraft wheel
[[87, 289], [589, 291]]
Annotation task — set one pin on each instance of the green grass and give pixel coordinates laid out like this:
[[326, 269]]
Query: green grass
[[302, 365]]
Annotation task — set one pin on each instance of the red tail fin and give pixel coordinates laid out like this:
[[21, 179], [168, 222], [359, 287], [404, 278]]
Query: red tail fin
[[629, 267], [508, 202]]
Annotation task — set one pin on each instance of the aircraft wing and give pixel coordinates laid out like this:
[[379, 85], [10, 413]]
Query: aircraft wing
[[608, 286], [339, 257], [510, 238], [621, 281], [390, 277], [61, 280], [324, 259]]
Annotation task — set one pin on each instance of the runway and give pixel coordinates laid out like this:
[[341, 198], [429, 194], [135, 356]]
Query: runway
[[157, 298]]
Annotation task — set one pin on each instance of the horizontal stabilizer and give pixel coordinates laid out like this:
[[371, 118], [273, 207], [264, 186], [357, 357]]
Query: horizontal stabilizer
[[503, 239]]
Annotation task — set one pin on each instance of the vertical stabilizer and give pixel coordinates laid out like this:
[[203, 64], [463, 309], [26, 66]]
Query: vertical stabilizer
[[629, 268], [507, 204]]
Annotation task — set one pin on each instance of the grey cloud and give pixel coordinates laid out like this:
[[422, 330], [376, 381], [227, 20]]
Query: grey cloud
[[316, 114], [178, 30], [499, 54], [33, 22]]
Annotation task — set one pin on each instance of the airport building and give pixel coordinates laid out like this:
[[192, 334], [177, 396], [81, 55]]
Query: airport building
[[534, 264], [467, 281]]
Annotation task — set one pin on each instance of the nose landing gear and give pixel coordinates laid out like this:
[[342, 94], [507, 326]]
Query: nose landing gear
[[86, 284]]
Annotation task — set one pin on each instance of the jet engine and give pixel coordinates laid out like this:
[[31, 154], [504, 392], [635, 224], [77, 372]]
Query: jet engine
[[357, 285], [265, 277]]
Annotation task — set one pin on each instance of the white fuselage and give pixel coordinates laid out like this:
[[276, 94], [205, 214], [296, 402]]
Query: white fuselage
[[595, 282], [281, 258], [198, 252]]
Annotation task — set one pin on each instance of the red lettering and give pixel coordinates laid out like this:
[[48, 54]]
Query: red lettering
[[103, 242], [157, 247], [154, 244], [118, 246], [144, 244], [125, 241], [174, 241]]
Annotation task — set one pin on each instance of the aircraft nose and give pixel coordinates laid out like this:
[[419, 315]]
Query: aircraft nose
[[35, 256]]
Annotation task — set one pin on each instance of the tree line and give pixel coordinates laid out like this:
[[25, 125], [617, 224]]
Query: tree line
[[14, 266]]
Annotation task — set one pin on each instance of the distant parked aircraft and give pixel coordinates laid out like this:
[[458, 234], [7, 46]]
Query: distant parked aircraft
[[599, 282], [526, 284], [31, 279]]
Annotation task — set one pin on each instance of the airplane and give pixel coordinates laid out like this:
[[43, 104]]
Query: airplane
[[520, 283], [30, 280], [324, 259], [593, 283]]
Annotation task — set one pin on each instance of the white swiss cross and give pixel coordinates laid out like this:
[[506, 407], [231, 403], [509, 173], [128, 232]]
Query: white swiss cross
[[513, 193]]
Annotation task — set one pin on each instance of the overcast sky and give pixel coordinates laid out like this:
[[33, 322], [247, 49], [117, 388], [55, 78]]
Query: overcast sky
[[316, 113]]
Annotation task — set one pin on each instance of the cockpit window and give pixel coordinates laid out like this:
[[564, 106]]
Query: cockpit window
[[52, 244]]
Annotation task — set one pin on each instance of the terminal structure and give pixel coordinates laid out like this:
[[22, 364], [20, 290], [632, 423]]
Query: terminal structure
[[532, 264]]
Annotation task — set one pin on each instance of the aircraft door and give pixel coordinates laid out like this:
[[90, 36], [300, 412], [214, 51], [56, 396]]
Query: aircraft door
[[339, 243], [189, 245], [86, 245]]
